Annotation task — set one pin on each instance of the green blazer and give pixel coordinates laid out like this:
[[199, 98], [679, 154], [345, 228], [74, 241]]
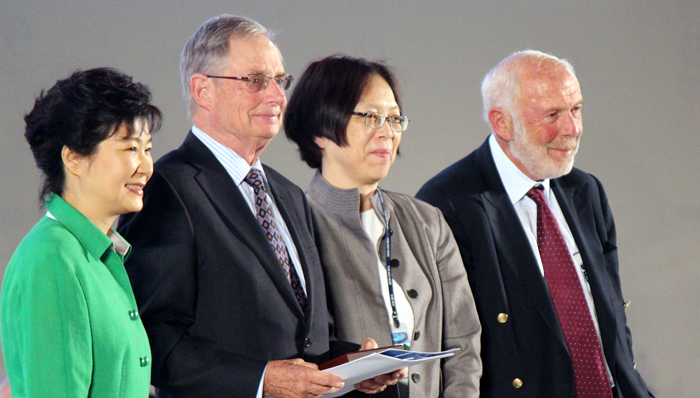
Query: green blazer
[[70, 324]]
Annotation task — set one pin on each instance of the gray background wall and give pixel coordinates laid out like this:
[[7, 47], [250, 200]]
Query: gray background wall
[[638, 63]]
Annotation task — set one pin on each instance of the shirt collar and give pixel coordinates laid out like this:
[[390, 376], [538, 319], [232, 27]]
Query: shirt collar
[[234, 163], [516, 183], [92, 238], [121, 246]]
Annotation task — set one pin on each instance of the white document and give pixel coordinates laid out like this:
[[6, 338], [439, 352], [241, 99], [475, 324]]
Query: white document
[[381, 362]]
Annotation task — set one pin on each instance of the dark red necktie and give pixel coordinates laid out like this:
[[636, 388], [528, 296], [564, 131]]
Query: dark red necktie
[[590, 376], [264, 215]]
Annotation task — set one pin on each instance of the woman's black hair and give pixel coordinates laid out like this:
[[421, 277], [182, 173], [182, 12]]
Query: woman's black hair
[[324, 99], [80, 112]]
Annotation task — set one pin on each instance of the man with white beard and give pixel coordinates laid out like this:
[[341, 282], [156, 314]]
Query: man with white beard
[[538, 241]]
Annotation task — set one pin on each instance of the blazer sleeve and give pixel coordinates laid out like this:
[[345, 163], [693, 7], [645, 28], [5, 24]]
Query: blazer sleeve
[[45, 321], [461, 326], [163, 272], [627, 378]]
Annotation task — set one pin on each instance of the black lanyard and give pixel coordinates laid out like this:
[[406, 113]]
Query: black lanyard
[[390, 280]]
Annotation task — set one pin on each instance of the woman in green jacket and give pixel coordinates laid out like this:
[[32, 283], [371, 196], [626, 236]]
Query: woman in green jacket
[[70, 324]]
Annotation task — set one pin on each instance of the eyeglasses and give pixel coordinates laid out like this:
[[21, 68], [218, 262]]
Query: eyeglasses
[[376, 120], [257, 81]]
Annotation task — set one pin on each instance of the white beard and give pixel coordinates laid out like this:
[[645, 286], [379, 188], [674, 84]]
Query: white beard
[[536, 159]]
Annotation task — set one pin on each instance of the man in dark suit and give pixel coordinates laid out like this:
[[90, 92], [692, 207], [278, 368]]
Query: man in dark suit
[[538, 240], [224, 266]]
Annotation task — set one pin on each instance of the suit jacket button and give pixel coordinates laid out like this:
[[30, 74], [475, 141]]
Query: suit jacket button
[[627, 304], [134, 315], [144, 361], [416, 336], [307, 343], [517, 383], [502, 317], [412, 293], [415, 377]]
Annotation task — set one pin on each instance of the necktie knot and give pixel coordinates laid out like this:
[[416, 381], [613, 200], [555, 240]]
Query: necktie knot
[[254, 179], [536, 193]]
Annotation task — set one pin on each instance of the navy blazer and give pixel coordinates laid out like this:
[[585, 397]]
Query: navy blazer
[[215, 302], [528, 343]]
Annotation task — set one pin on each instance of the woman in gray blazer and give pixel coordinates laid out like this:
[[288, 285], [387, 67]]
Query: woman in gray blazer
[[407, 287]]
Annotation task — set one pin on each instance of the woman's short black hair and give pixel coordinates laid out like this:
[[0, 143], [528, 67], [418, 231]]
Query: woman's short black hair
[[324, 99], [80, 112]]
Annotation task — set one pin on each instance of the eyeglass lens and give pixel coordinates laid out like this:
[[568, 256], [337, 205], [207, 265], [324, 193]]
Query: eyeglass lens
[[376, 120], [257, 82]]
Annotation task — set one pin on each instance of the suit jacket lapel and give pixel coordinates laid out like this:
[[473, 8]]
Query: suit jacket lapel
[[281, 197], [576, 209], [234, 211], [511, 241]]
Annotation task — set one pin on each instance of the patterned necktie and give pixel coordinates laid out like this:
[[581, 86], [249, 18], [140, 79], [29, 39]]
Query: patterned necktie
[[590, 376], [264, 215]]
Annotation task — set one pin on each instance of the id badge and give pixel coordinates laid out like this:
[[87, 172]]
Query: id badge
[[399, 336]]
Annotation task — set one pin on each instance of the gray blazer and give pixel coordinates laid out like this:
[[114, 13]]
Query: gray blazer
[[430, 270]]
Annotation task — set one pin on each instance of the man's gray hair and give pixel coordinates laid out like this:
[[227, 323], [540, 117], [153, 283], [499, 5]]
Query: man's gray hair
[[501, 86], [206, 51]]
